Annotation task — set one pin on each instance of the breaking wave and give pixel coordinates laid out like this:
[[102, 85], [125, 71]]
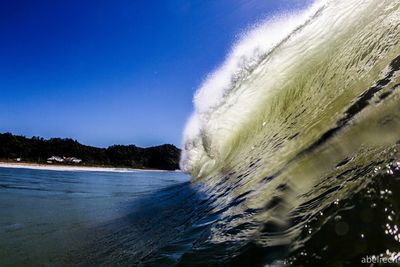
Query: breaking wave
[[294, 140], [274, 63]]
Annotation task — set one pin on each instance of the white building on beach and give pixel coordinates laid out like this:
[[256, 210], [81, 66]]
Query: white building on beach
[[69, 160]]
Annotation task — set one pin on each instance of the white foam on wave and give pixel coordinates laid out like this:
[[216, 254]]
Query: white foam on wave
[[246, 54], [243, 58]]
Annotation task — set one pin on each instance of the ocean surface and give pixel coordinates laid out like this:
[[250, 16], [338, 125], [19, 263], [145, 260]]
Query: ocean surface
[[73, 218]]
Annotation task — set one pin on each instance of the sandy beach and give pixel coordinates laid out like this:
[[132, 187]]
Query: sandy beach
[[34, 166]]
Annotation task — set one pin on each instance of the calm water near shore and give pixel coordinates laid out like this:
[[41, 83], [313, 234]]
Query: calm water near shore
[[50, 218]]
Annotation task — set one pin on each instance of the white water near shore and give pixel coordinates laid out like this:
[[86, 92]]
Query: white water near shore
[[71, 168]]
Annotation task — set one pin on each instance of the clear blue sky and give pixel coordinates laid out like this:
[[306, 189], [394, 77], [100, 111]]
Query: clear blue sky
[[114, 72]]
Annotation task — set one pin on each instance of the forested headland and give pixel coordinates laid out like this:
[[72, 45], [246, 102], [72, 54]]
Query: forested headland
[[38, 150]]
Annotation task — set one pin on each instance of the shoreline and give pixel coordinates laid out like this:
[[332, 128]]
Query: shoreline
[[37, 166]]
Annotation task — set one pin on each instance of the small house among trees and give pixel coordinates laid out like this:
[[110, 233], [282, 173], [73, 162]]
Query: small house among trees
[[68, 160]]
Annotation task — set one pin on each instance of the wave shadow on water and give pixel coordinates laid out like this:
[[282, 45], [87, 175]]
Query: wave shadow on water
[[157, 231]]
